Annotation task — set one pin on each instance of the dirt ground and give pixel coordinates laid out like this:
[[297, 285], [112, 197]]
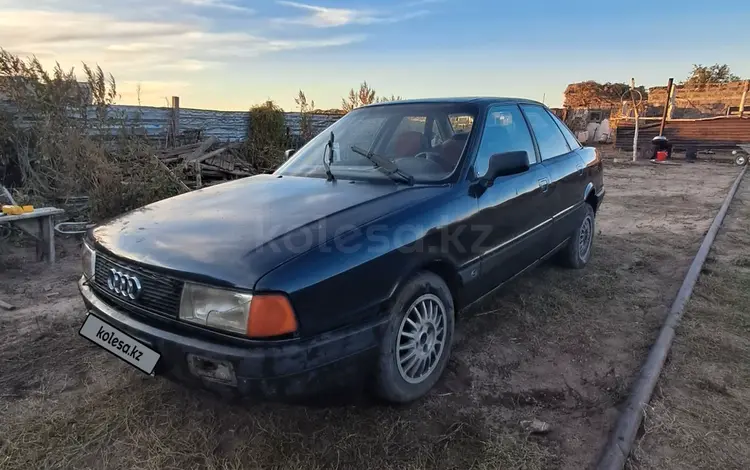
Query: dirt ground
[[557, 345], [698, 417]]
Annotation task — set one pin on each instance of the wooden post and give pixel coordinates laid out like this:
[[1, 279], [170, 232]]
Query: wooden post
[[635, 114], [198, 175], [744, 97], [666, 105], [671, 103], [175, 121]]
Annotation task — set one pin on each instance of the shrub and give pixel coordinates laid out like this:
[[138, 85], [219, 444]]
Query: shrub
[[63, 139], [267, 137]]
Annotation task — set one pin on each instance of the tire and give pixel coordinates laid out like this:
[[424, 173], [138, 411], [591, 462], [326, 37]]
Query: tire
[[740, 160], [426, 292], [574, 255]]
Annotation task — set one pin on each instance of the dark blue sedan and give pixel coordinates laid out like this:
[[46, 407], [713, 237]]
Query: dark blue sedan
[[353, 260]]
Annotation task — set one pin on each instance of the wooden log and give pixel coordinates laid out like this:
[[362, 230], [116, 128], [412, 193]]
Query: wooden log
[[171, 174], [209, 155], [179, 150], [205, 145], [216, 171]]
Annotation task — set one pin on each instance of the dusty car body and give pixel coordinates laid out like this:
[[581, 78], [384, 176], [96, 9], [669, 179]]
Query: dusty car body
[[353, 259]]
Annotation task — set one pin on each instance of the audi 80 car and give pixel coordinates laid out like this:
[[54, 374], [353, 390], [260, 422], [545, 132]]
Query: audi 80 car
[[352, 261]]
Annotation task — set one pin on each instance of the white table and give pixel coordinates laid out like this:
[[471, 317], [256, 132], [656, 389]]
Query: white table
[[40, 225]]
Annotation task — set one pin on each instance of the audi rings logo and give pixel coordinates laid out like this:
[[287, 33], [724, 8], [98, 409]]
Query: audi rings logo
[[124, 285]]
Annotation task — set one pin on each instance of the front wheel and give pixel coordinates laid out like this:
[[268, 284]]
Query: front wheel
[[740, 160], [577, 253], [417, 342]]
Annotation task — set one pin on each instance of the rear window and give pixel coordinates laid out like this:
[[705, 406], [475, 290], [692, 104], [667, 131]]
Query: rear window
[[461, 123]]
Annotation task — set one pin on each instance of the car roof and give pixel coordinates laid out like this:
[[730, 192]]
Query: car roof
[[478, 100]]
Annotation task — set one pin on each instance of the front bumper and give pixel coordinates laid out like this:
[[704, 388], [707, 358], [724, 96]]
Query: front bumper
[[285, 369]]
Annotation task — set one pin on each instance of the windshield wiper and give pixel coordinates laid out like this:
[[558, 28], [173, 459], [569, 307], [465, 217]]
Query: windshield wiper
[[385, 165], [327, 164]]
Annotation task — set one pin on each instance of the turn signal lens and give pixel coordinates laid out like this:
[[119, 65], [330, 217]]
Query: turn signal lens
[[270, 315]]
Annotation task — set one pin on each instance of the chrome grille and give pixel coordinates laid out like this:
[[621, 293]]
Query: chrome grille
[[160, 294]]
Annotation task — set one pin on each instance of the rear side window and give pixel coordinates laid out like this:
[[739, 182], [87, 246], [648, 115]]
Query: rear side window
[[569, 136], [504, 131], [551, 141]]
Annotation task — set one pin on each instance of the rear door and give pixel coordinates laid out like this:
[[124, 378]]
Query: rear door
[[566, 170], [515, 213]]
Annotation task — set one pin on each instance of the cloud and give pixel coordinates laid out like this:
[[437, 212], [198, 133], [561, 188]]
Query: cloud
[[217, 4], [324, 17], [187, 45]]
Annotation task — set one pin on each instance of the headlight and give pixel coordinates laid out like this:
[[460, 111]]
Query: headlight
[[237, 312], [88, 261], [216, 308]]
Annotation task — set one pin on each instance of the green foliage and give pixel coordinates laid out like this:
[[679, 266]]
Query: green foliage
[[716, 73], [267, 137]]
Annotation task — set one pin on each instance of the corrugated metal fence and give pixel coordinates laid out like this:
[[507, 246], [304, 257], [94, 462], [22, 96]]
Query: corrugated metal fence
[[713, 133], [224, 125]]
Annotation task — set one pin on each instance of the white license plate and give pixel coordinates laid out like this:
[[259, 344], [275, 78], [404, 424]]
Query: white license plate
[[120, 344]]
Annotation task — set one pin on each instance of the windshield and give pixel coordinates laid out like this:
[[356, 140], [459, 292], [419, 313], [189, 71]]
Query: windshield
[[423, 141]]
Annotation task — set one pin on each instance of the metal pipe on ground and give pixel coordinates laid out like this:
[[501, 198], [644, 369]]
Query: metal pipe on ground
[[623, 435]]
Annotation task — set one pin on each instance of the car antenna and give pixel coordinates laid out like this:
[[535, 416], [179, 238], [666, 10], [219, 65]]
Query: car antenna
[[327, 164]]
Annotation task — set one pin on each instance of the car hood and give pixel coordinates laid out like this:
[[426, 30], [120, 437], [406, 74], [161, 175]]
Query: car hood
[[233, 233]]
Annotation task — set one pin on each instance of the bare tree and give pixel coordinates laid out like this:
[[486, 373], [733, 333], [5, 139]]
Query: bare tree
[[305, 115], [362, 97], [385, 99]]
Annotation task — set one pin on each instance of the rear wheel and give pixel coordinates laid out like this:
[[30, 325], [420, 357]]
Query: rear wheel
[[740, 160], [577, 253], [417, 342]]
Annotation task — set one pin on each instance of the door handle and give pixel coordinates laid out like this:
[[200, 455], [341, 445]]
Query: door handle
[[544, 184]]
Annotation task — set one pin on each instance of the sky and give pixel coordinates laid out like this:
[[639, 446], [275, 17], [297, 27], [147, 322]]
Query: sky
[[231, 54]]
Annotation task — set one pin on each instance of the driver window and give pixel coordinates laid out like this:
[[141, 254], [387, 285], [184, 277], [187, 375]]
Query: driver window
[[505, 130], [408, 138]]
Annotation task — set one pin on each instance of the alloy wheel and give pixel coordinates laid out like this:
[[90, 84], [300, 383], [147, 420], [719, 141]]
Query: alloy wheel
[[421, 338], [585, 237]]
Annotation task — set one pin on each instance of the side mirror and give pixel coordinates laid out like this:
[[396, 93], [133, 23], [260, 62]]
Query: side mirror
[[504, 164], [288, 154]]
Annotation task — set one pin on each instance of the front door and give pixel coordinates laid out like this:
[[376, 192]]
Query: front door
[[515, 213]]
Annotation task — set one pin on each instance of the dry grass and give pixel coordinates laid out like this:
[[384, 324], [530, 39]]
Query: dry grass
[[561, 346], [698, 418]]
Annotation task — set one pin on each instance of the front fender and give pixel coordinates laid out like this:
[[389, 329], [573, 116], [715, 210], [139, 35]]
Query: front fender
[[350, 278]]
